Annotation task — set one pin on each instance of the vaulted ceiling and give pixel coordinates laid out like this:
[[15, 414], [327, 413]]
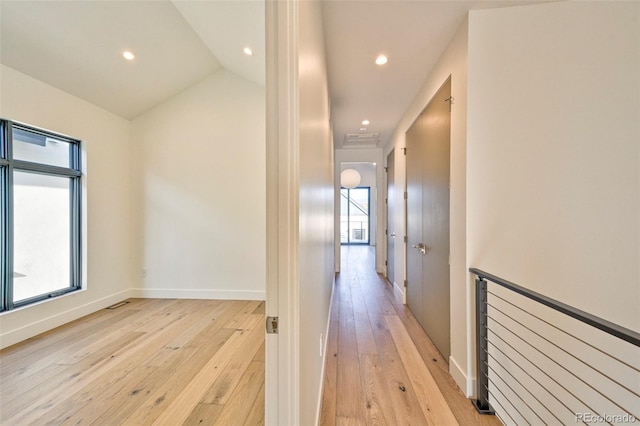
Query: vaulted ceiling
[[77, 47]]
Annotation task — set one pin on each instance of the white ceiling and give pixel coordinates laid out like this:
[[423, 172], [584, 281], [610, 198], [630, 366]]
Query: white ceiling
[[412, 34], [77, 46]]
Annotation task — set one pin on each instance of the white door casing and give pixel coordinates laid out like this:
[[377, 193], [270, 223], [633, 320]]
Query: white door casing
[[281, 366]]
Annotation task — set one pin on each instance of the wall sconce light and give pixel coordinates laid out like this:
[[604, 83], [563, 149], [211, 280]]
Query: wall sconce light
[[349, 178]]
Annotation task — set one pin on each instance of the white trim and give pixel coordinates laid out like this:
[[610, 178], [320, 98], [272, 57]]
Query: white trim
[[271, 306], [282, 372], [33, 329], [472, 385], [399, 293], [324, 355], [182, 293], [464, 383]]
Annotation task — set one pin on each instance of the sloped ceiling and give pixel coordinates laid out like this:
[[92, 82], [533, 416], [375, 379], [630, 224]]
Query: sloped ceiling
[[77, 46], [227, 27]]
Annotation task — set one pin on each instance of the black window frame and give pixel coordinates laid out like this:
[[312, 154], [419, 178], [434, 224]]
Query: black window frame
[[368, 241], [7, 166]]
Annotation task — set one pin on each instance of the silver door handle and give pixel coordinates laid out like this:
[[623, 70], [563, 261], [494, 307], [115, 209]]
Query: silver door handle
[[421, 247], [393, 234]]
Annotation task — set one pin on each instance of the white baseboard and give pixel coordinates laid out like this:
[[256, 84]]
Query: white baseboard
[[30, 330], [471, 388], [324, 355], [179, 293], [399, 293], [466, 384], [458, 375], [33, 329]]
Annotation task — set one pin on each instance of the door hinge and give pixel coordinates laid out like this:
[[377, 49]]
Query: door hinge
[[405, 238], [450, 100], [386, 201], [386, 232], [404, 150], [405, 283], [272, 325], [405, 195], [386, 263]]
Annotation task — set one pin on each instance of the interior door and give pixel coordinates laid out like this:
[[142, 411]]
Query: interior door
[[435, 223], [414, 218], [391, 233], [429, 141]]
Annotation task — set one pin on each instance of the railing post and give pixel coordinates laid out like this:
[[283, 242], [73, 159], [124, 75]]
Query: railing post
[[482, 389]]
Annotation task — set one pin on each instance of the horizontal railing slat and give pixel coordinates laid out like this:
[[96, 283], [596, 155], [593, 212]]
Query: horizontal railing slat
[[623, 333]]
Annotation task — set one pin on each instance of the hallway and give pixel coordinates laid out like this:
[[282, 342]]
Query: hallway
[[381, 366]]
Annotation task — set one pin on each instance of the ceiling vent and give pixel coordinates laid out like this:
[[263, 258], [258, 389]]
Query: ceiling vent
[[361, 140]]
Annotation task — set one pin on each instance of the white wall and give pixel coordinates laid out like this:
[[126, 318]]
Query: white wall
[[453, 62], [554, 158], [554, 154], [371, 155], [199, 176], [108, 229], [316, 210]]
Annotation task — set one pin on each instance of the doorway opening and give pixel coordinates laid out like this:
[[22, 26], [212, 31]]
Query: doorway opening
[[356, 204]]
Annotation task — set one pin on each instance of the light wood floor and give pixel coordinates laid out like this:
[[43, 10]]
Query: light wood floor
[[382, 368], [151, 361]]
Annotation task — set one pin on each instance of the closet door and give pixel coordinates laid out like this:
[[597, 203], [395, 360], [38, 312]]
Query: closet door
[[391, 220], [428, 171]]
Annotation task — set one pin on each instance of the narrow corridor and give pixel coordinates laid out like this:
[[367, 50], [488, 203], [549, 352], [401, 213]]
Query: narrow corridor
[[382, 368]]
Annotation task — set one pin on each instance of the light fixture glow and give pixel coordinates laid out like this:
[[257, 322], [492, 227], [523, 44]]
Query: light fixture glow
[[365, 122], [349, 178], [381, 60], [128, 55], [247, 51], [362, 129]]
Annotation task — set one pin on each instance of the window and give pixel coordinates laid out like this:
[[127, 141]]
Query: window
[[40, 204], [354, 215]]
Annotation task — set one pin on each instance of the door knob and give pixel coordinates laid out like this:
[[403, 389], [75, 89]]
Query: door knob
[[421, 247]]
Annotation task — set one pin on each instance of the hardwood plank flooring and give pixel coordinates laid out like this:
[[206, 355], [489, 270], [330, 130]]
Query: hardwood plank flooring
[[150, 361], [381, 367]]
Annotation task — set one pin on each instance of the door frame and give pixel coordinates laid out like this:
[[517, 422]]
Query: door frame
[[390, 191], [376, 157], [282, 372]]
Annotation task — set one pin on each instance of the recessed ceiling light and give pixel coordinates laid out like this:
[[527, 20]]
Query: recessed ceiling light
[[381, 60], [128, 55], [365, 122], [247, 51]]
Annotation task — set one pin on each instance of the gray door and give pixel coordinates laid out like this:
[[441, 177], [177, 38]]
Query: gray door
[[391, 233], [414, 218], [429, 214]]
